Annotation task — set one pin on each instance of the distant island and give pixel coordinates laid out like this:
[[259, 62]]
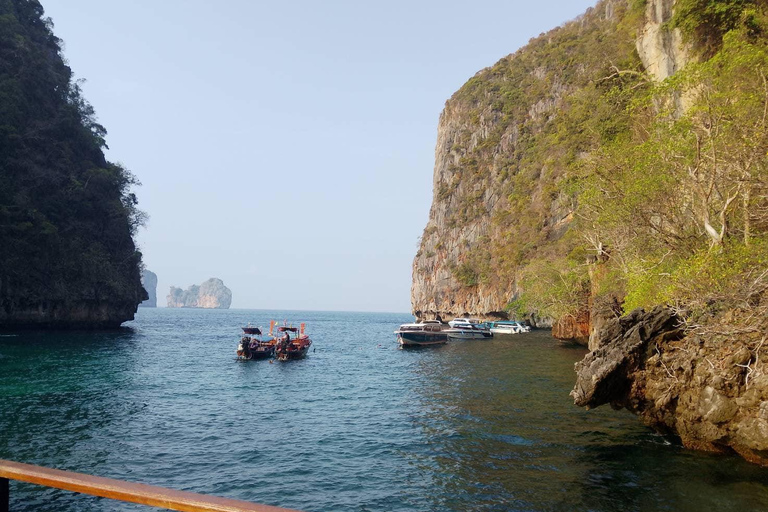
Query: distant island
[[212, 294], [149, 281]]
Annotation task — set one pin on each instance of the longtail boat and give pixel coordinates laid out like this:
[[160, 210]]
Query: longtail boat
[[253, 346], [293, 343]]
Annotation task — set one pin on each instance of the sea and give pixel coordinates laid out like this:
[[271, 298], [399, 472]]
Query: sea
[[359, 425]]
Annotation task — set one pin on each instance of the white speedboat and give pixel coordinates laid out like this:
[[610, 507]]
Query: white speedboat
[[464, 329], [508, 327], [463, 321], [422, 334]]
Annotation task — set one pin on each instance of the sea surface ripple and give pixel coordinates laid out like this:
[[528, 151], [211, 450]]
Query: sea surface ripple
[[356, 426]]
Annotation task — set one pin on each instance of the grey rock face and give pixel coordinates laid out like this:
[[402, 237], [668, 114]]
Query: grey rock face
[[603, 374], [212, 294], [149, 281], [660, 48]]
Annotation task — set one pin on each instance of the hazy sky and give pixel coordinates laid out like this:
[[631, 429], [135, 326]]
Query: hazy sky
[[286, 147]]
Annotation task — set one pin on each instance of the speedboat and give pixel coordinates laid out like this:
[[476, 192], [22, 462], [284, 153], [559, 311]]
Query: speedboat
[[463, 329], [426, 333], [463, 321], [508, 327]]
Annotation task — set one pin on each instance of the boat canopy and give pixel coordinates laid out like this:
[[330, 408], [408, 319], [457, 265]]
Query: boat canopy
[[252, 330], [289, 329]]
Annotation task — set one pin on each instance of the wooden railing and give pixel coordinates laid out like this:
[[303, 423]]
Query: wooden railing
[[119, 490]]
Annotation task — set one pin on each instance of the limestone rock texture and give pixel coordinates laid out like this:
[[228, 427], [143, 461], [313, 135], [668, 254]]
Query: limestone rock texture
[[705, 385], [660, 48], [212, 294], [498, 201], [95, 313], [149, 282]]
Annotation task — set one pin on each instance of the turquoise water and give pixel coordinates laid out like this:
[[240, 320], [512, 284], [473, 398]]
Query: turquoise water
[[357, 426]]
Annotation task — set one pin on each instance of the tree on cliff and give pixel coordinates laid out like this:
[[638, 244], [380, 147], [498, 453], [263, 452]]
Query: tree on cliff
[[67, 215], [683, 202]]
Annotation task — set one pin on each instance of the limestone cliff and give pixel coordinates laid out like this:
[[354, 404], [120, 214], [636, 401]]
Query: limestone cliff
[[502, 203], [660, 47], [504, 142], [149, 281], [67, 214], [212, 294]]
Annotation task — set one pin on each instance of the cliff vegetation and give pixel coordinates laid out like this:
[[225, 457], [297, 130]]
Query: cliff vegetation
[[67, 215], [677, 205]]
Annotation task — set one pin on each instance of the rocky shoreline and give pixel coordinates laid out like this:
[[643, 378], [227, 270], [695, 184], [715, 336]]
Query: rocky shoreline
[[63, 315], [707, 387]]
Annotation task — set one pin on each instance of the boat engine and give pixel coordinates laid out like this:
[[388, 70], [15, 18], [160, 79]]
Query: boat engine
[[242, 347]]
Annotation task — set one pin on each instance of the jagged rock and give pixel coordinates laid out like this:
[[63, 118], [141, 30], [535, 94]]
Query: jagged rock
[[212, 294], [573, 328], [709, 387], [603, 375], [149, 281]]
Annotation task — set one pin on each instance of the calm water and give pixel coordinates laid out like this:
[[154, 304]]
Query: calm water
[[357, 426]]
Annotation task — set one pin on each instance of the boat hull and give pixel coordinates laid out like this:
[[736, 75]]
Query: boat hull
[[468, 334], [421, 339], [504, 330], [297, 349], [260, 352]]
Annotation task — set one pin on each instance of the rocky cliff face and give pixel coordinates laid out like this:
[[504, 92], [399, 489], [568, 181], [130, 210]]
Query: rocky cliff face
[[660, 47], [149, 281], [500, 163], [67, 214], [63, 314], [500, 200], [212, 294]]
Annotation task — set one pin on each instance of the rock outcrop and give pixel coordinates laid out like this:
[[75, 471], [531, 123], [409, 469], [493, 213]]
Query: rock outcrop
[[660, 47], [707, 386], [212, 294], [66, 315], [573, 328], [149, 281]]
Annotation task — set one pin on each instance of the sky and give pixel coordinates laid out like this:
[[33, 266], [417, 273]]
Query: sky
[[286, 148]]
